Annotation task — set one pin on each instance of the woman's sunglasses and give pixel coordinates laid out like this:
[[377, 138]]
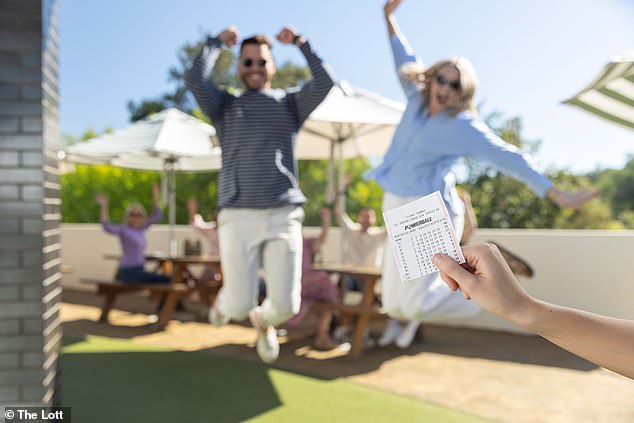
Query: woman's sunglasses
[[454, 85], [247, 63]]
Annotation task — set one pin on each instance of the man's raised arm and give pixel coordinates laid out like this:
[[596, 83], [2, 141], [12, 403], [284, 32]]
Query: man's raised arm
[[210, 98], [315, 90]]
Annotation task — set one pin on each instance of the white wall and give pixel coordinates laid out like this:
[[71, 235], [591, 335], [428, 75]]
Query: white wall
[[578, 268]]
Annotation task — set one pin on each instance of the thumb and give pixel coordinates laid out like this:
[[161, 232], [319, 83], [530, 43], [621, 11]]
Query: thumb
[[449, 267]]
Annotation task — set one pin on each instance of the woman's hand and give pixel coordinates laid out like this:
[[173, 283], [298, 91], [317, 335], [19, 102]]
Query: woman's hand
[[391, 6], [574, 199], [488, 280]]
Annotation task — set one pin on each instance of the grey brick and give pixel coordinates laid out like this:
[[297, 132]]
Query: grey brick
[[31, 125], [21, 142], [9, 124], [21, 343], [9, 360], [13, 276], [20, 175], [12, 208], [33, 392], [31, 292], [9, 259], [9, 227], [10, 158], [21, 377], [32, 192], [19, 75], [32, 359], [22, 7], [10, 40], [31, 92], [32, 226], [8, 91], [32, 326], [9, 192], [9, 327], [32, 159], [9, 394], [32, 258], [9, 293], [31, 60], [10, 59], [19, 109]]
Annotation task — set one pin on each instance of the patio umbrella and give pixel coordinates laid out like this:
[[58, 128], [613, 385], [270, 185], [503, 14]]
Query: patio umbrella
[[611, 95], [169, 141], [354, 122]]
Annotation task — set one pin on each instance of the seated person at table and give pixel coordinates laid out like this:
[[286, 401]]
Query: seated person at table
[[317, 287], [131, 233]]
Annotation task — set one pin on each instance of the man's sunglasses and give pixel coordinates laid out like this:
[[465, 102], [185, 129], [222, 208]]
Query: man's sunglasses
[[441, 80], [247, 63]]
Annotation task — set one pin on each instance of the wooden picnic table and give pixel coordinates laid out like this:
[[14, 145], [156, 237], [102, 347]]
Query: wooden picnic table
[[363, 312], [178, 266]]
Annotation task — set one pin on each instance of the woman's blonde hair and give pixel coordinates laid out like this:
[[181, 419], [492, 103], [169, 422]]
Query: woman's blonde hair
[[468, 81], [133, 206]]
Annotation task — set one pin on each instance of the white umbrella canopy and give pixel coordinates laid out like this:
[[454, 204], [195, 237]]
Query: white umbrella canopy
[[148, 143], [353, 121], [168, 141], [611, 94]]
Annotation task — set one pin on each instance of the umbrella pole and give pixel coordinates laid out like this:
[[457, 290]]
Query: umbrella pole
[[171, 198], [330, 188]]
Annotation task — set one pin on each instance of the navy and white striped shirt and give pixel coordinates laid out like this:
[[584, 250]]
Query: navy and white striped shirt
[[257, 131]]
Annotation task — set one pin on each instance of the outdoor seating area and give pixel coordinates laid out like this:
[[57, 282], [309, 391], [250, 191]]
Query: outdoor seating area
[[260, 213]]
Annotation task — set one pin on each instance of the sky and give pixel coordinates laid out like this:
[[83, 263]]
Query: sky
[[529, 55]]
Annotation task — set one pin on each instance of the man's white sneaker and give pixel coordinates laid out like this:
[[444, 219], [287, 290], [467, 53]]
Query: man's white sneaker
[[267, 345], [391, 333]]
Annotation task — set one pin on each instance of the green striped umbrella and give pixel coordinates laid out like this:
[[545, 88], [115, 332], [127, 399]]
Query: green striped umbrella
[[611, 94]]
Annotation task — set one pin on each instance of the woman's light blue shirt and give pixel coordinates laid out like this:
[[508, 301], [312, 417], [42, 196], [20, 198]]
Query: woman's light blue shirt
[[425, 148]]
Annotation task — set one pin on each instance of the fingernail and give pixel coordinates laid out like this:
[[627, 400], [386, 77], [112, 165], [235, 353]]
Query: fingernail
[[436, 259]]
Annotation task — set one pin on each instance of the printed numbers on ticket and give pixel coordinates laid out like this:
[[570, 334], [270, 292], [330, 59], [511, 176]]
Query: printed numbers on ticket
[[418, 230]]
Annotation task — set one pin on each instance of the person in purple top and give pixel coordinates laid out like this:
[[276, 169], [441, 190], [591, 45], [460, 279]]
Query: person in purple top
[[132, 236]]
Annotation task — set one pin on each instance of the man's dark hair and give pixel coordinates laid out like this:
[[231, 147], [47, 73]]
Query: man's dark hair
[[259, 39]]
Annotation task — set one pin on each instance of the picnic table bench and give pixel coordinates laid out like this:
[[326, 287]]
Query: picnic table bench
[[112, 288]]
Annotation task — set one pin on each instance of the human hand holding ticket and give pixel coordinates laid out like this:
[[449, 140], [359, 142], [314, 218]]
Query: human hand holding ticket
[[418, 230]]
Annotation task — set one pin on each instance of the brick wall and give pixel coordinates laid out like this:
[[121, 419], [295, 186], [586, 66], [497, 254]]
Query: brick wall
[[30, 332]]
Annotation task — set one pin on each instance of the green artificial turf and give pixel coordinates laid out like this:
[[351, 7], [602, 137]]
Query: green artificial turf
[[108, 380]]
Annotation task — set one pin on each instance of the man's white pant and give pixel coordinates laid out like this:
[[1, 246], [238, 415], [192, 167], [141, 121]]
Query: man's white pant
[[426, 298], [272, 238]]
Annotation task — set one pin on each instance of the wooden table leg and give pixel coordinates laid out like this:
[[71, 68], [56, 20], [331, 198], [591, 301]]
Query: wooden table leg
[[363, 319], [111, 296], [171, 299]]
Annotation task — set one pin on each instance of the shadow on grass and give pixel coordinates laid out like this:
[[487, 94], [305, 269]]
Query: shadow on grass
[[164, 387], [91, 327]]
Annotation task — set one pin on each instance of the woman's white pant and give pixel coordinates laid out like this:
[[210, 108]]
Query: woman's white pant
[[250, 238], [427, 298]]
